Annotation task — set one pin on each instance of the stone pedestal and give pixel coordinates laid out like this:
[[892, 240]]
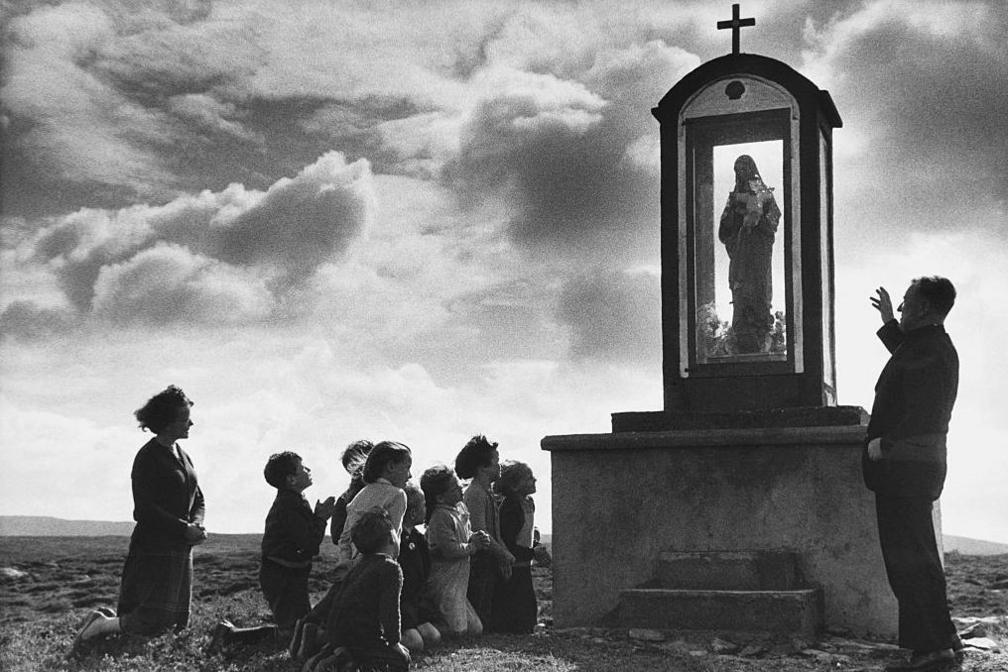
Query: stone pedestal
[[622, 500]]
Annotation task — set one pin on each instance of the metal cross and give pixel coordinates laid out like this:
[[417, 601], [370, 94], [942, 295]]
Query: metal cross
[[735, 24]]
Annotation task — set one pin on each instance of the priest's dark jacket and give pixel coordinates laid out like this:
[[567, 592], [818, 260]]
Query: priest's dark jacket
[[914, 396]]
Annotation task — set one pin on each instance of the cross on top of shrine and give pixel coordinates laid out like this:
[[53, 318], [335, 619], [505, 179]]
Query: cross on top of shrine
[[735, 24]]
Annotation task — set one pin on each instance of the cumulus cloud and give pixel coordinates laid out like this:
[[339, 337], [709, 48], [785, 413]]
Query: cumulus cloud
[[236, 237], [30, 321], [167, 284], [301, 222], [613, 316]]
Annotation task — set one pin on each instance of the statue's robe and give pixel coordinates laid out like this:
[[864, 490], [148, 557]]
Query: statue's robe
[[748, 235]]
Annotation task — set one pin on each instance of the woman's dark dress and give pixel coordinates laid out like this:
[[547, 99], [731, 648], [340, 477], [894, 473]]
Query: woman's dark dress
[[156, 587]]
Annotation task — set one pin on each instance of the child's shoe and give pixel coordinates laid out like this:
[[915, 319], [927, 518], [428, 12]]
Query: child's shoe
[[333, 661], [75, 648], [312, 663], [295, 643], [309, 644]]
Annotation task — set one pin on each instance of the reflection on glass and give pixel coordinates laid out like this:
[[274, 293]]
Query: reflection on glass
[[739, 321]]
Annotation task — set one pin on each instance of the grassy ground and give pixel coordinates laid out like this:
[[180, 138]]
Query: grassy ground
[[64, 578]]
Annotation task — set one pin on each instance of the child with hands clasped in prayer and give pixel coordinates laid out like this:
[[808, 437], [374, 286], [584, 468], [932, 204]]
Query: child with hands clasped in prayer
[[480, 461], [291, 539], [514, 604], [451, 542]]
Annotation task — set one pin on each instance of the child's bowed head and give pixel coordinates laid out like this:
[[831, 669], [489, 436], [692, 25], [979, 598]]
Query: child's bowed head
[[373, 532]]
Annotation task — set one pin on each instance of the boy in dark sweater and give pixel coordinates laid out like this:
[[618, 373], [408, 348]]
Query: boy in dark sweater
[[291, 539], [364, 623]]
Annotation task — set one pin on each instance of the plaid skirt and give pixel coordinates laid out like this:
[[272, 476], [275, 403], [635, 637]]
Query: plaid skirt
[[156, 589]]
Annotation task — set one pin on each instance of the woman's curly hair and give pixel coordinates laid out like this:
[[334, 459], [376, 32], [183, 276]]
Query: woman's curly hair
[[162, 409]]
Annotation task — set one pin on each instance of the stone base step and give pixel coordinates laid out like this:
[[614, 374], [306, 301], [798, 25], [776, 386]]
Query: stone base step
[[728, 570], [796, 612]]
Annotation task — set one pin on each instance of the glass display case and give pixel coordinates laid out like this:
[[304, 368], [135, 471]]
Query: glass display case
[[741, 302]]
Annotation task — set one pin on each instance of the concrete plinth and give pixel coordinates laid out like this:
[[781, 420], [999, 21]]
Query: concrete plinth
[[732, 570], [622, 500], [794, 612]]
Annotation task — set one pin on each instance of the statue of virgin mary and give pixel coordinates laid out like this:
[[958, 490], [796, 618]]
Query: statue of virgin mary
[[747, 229]]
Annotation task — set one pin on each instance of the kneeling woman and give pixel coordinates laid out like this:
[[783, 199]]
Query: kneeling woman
[[156, 587]]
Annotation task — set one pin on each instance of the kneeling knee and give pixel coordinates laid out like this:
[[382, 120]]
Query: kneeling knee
[[412, 640], [430, 634]]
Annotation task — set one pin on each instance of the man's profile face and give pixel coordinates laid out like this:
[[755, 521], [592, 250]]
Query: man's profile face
[[912, 310]]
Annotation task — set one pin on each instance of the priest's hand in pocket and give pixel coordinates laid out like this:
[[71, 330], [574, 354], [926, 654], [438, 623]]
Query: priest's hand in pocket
[[195, 534], [875, 449]]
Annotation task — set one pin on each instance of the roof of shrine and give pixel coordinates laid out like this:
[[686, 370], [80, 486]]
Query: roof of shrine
[[803, 89]]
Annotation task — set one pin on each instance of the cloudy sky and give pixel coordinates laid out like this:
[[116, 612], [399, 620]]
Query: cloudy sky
[[424, 220]]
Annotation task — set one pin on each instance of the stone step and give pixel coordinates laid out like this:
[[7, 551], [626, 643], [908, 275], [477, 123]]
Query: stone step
[[728, 570], [794, 612]]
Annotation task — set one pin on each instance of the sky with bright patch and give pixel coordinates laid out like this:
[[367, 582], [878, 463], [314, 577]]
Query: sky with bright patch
[[420, 221]]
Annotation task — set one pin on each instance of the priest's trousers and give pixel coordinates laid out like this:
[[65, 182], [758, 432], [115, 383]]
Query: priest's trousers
[[914, 568]]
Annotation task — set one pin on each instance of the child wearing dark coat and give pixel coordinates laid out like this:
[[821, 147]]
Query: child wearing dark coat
[[415, 605], [514, 603], [291, 539], [364, 622]]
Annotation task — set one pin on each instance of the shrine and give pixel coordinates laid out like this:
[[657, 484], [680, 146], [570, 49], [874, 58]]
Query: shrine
[[740, 505]]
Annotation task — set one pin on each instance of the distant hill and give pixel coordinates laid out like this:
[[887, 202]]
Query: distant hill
[[45, 526], [968, 546]]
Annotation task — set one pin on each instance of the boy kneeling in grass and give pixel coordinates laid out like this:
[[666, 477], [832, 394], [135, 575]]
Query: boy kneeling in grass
[[290, 541], [363, 625]]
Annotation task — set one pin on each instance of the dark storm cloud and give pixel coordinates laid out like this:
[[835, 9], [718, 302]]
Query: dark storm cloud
[[927, 92], [613, 316], [559, 167], [77, 135], [575, 159], [111, 104]]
